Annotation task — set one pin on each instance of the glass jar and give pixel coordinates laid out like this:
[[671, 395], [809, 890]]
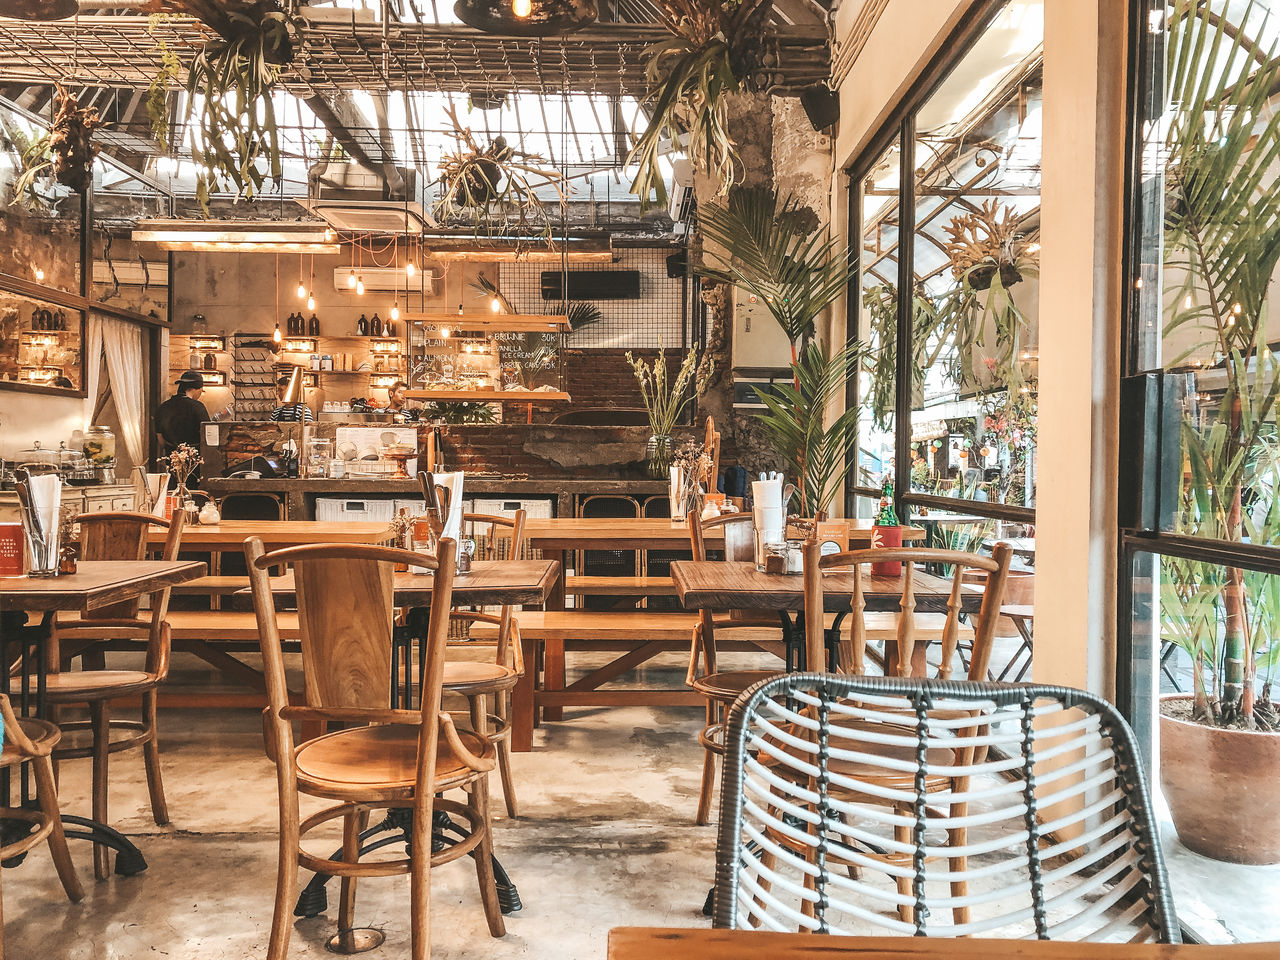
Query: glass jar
[[100, 446]]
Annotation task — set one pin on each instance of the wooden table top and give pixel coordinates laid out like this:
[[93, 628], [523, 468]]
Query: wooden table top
[[644, 533], [738, 585], [650, 943], [489, 582], [96, 583], [277, 533]]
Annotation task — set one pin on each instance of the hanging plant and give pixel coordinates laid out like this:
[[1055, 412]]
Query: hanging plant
[[157, 102], [494, 186], [235, 75], [65, 153], [717, 48], [985, 241]]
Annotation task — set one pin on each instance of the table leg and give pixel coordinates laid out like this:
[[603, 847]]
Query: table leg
[[553, 674], [522, 709]]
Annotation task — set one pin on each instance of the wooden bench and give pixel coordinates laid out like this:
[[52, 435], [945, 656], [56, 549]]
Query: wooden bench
[[211, 587], [620, 586]]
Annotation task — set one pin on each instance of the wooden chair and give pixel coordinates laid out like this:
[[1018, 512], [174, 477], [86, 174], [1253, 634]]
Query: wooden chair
[[906, 656], [115, 536], [28, 740], [721, 688], [497, 538], [386, 758]]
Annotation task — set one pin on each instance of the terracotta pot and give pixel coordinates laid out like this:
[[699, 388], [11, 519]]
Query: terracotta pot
[[1221, 788]]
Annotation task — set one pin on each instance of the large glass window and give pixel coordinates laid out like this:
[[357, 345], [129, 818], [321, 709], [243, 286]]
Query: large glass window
[[966, 429], [1200, 641]]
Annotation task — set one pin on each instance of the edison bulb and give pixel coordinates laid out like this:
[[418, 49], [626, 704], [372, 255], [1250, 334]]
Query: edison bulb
[[495, 304], [39, 273], [410, 269], [395, 311], [351, 279], [311, 301], [302, 290], [360, 285], [522, 8], [276, 336]]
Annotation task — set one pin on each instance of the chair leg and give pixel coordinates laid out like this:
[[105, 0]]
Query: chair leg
[[484, 859], [47, 794], [420, 882], [906, 911], [354, 822], [100, 719], [151, 759], [708, 774], [508, 782], [286, 871]]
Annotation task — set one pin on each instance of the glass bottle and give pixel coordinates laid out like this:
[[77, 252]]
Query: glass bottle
[[313, 325], [362, 327], [210, 361], [888, 516], [375, 326]]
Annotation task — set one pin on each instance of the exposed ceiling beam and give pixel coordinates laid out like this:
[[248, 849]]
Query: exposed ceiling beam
[[339, 117]]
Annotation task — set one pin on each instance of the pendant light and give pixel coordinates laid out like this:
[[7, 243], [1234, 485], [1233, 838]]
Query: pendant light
[[302, 287], [527, 18]]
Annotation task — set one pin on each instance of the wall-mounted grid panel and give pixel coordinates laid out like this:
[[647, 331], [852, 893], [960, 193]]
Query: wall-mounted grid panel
[[655, 319]]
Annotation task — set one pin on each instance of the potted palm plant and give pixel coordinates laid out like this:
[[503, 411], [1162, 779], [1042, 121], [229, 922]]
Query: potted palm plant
[[1220, 744]]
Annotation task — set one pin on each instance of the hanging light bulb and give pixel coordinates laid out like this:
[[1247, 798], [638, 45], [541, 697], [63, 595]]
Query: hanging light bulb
[[360, 286], [522, 8], [395, 310], [40, 273], [459, 309], [351, 279], [495, 304], [410, 269], [276, 336], [311, 301], [302, 289]]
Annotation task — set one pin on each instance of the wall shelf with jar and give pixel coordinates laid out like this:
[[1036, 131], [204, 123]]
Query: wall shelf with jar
[[486, 357]]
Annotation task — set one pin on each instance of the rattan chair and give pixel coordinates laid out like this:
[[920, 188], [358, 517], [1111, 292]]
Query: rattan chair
[[1043, 830]]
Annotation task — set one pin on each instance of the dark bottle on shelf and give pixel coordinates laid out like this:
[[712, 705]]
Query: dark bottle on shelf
[[375, 326], [210, 361], [60, 320], [362, 327], [313, 326], [389, 329], [37, 322], [290, 326]]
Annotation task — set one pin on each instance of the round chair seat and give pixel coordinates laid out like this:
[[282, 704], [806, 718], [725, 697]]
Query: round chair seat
[[41, 733], [726, 687], [467, 676], [78, 685], [380, 760]]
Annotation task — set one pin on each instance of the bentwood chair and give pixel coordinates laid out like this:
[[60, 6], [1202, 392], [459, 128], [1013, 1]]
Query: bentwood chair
[[905, 654], [386, 758], [28, 740], [115, 536], [1015, 811], [497, 538], [721, 687]]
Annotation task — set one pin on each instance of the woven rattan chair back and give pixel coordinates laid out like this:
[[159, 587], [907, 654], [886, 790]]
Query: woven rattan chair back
[[1021, 809]]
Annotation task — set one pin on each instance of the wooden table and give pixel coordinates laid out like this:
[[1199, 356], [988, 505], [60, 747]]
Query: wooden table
[[95, 584], [651, 943], [490, 582], [231, 534], [558, 535], [736, 585]]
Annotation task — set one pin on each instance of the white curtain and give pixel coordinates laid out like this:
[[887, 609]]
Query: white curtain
[[122, 342]]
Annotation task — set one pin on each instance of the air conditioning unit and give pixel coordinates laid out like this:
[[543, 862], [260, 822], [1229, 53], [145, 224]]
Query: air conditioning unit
[[385, 278], [355, 199], [680, 202]]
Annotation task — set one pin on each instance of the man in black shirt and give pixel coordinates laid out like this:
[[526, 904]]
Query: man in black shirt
[[178, 419]]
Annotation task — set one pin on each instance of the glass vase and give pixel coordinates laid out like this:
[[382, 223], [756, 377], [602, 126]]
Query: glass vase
[[658, 453]]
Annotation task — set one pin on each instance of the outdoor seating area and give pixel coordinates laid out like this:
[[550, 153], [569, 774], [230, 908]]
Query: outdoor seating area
[[645, 479]]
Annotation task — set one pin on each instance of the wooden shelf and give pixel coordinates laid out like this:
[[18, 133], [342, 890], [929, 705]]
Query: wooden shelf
[[489, 396], [509, 322]]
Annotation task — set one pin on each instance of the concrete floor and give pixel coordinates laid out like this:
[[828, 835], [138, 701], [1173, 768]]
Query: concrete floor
[[606, 838]]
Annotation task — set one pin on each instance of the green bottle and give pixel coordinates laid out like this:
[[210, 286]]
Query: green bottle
[[887, 517]]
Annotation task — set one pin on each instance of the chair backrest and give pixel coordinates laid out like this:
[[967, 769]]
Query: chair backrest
[[738, 530], [907, 656], [124, 536], [345, 607], [848, 798], [497, 538], [607, 563]]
